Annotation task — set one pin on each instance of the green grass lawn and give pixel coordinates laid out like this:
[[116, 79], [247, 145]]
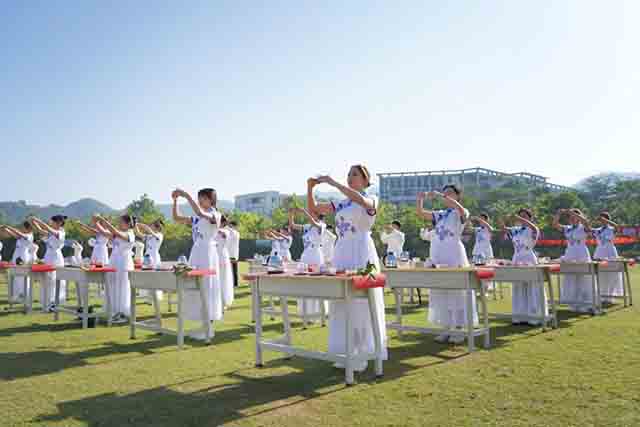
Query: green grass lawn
[[586, 373]]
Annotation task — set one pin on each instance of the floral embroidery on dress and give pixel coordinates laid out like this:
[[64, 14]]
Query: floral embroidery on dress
[[343, 226]]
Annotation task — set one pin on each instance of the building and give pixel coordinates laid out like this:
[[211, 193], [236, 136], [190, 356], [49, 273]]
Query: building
[[402, 187], [261, 203]]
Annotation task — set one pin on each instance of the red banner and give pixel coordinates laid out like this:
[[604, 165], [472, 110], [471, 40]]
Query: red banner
[[623, 240]]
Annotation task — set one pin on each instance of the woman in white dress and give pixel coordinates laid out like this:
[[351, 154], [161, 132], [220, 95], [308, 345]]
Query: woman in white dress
[[22, 254], [575, 289], [284, 243], [447, 309], [312, 237], [610, 284], [204, 254], [525, 297], [275, 243], [100, 242], [482, 249], [153, 238], [225, 271], [123, 237], [355, 217], [329, 242], [55, 236], [393, 237]]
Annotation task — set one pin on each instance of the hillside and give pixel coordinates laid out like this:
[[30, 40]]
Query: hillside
[[14, 212]]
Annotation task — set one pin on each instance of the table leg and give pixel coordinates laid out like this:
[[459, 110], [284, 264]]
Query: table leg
[[254, 301], [323, 313], [398, 297], [180, 317], [257, 316], [204, 312], [595, 293], [470, 320], [285, 319], [132, 323], [28, 294], [107, 300], [554, 308], [376, 326], [156, 307], [543, 317], [348, 362], [304, 311], [56, 300], [485, 316], [626, 273], [84, 300], [10, 285]]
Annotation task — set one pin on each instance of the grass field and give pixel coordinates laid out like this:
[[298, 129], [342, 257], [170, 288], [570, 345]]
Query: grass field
[[586, 373]]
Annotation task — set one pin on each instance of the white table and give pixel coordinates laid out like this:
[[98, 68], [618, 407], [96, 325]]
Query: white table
[[581, 269], [450, 279], [256, 267], [334, 288], [168, 281], [540, 276], [82, 278], [25, 272], [620, 266]]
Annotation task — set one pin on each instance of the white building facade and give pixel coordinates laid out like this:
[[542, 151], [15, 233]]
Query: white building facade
[[262, 203]]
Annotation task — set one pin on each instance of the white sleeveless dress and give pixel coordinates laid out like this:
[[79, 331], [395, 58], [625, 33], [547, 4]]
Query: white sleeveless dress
[[22, 251], [100, 252], [525, 296], [448, 308], [609, 283], [312, 238], [224, 271], [482, 244], [152, 245], [122, 261], [285, 248], [576, 288], [53, 256], [354, 249], [204, 255]]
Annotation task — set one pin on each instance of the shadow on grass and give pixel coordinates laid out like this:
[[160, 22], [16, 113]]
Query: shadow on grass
[[245, 394], [43, 362]]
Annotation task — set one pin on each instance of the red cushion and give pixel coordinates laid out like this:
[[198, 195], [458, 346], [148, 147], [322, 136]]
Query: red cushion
[[603, 263], [43, 268], [368, 282], [554, 268], [101, 270], [485, 273], [4, 265], [201, 273]]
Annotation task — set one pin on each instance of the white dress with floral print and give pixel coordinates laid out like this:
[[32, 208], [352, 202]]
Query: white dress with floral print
[[482, 245], [525, 297], [609, 283], [53, 256], [225, 273], [204, 255], [22, 251], [312, 238], [448, 308], [100, 252], [122, 261], [576, 288], [354, 249]]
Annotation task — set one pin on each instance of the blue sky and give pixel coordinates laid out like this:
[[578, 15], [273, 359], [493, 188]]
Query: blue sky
[[114, 99]]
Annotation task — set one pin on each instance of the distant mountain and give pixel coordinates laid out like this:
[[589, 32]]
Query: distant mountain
[[608, 179], [15, 212]]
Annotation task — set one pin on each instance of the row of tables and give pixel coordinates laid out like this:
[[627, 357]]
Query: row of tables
[[84, 278], [472, 281]]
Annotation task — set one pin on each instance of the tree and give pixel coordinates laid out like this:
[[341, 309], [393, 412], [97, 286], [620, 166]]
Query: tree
[[144, 209]]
